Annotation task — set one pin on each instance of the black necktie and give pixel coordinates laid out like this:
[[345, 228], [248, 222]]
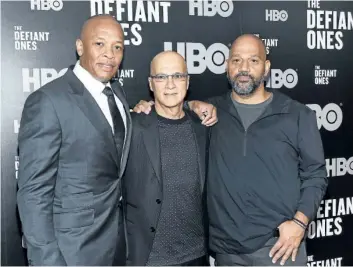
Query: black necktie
[[118, 123]]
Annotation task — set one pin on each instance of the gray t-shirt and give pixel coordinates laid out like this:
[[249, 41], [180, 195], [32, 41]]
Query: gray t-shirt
[[250, 112]]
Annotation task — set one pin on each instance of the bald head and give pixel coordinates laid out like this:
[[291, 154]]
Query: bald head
[[251, 41], [167, 60], [247, 66], [100, 47], [169, 91], [97, 21]]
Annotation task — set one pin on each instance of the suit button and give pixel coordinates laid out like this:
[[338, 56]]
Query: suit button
[[153, 229], [158, 201]]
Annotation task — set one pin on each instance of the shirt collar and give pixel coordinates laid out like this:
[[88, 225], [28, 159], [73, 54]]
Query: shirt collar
[[94, 86]]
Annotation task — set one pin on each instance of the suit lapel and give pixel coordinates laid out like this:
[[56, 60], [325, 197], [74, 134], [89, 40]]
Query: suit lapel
[[121, 95], [152, 144], [200, 138], [92, 111]]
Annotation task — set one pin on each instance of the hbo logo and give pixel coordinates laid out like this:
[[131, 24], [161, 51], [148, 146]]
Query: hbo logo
[[55, 5], [198, 58], [224, 8], [276, 15], [33, 79], [330, 117], [287, 78], [339, 167]]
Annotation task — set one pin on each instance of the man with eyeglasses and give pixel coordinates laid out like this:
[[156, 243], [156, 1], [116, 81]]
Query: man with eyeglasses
[[165, 175], [266, 173]]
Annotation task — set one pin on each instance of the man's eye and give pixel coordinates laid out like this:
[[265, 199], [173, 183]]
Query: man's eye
[[99, 43]]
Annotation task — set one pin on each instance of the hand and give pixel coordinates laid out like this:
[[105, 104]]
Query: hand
[[290, 236], [143, 106], [206, 112]]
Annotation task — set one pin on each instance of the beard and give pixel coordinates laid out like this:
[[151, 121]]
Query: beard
[[245, 88]]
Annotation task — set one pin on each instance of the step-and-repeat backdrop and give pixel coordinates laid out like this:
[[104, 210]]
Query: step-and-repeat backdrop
[[309, 44]]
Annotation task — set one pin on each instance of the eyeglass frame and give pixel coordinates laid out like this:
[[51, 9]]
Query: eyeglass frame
[[166, 76]]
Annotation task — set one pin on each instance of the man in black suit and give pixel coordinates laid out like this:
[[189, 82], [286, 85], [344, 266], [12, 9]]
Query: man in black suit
[[73, 143], [165, 174]]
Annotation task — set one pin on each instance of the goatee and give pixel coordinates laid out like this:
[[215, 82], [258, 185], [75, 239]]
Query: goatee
[[245, 88]]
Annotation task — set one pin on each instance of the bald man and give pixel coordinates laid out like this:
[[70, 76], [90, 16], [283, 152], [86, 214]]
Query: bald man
[[165, 174], [73, 143], [266, 173]]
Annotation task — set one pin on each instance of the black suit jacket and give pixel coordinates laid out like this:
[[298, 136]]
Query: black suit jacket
[[142, 182]]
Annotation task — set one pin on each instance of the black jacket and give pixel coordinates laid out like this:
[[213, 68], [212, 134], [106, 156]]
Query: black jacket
[[261, 177], [142, 182]]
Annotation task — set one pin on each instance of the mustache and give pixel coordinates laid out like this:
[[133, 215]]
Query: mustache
[[243, 73]]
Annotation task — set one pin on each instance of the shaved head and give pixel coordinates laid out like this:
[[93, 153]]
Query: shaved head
[[100, 47], [250, 39], [247, 66], [169, 81], [94, 21], [167, 58]]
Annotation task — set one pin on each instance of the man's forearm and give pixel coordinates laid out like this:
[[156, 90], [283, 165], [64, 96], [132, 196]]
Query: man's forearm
[[312, 167], [192, 104], [310, 200]]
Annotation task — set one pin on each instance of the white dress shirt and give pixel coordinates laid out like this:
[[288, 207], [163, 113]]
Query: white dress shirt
[[96, 88]]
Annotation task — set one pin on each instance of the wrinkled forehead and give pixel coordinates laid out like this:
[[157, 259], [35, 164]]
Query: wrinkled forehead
[[168, 65]]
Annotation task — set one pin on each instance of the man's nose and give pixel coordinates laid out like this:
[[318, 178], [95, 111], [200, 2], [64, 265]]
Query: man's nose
[[170, 83], [244, 66], [109, 53]]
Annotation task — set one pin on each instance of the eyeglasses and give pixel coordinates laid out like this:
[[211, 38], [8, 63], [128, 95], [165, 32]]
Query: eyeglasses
[[177, 77]]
